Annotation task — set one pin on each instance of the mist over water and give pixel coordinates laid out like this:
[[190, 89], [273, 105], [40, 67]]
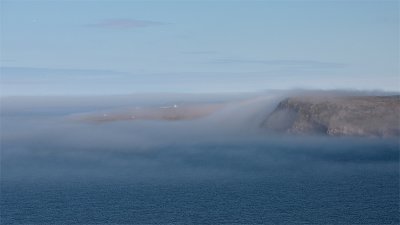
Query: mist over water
[[220, 168]]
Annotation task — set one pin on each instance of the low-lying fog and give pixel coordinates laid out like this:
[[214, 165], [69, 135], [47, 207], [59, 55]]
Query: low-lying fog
[[52, 138]]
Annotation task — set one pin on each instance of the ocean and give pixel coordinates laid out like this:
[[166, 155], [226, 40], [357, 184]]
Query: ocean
[[334, 181]]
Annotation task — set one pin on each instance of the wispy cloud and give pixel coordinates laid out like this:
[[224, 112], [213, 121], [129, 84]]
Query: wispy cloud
[[199, 52], [8, 60], [281, 62], [124, 23], [55, 74]]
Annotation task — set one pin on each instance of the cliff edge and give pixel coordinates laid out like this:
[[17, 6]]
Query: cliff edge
[[337, 116]]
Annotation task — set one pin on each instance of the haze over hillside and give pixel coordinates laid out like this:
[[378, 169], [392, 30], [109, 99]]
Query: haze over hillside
[[318, 113]]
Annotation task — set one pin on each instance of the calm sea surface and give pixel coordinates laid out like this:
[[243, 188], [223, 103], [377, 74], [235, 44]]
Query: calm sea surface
[[240, 183]]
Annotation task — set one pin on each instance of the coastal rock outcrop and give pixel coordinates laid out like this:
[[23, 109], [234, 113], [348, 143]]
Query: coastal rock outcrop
[[337, 116]]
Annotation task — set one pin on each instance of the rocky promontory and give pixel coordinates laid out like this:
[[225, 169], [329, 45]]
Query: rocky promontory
[[337, 116]]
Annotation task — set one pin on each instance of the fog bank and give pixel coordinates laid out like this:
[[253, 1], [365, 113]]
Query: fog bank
[[42, 139]]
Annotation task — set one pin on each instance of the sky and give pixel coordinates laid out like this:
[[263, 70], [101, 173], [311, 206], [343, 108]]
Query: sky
[[121, 47]]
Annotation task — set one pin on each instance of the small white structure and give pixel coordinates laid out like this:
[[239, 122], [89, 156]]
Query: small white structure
[[168, 107]]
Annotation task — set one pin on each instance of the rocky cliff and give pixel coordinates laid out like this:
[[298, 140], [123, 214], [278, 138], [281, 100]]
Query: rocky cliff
[[337, 116]]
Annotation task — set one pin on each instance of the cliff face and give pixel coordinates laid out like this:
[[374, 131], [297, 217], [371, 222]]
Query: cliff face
[[337, 116]]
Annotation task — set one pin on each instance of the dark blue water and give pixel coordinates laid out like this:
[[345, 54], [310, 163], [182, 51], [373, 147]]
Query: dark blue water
[[328, 182], [359, 199]]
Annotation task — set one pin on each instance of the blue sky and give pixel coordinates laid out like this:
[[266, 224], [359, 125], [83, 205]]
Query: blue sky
[[117, 47]]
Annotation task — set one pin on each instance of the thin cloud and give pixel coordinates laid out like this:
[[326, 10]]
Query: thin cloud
[[56, 75], [124, 24], [10, 70], [282, 62], [7, 60], [199, 52]]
